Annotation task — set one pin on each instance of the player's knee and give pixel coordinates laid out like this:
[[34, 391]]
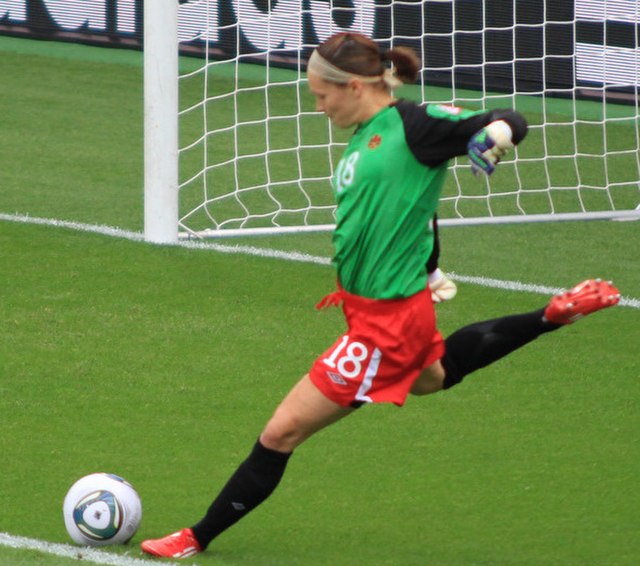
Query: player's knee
[[430, 381], [282, 435]]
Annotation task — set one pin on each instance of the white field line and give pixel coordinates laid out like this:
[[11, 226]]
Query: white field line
[[83, 553], [526, 287], [504, 285]]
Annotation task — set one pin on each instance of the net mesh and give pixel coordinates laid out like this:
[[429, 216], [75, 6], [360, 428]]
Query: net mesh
[[254, 153]]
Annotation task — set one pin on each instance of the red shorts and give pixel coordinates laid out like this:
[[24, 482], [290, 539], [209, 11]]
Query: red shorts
[[387, 345]]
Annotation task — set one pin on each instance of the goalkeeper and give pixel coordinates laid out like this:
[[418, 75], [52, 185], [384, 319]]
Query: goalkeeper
[[387, 187]]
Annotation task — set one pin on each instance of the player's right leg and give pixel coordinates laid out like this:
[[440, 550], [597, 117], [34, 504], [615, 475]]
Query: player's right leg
[[585, 298], [480, 344], [304, 411]]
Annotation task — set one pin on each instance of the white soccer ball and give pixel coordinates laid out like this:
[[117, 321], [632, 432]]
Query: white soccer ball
[[101, 509]]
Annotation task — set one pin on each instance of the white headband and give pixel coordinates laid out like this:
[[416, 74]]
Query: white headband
[[319, 65]]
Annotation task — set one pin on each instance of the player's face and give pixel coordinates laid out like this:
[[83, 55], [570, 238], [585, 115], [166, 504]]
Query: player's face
[[338, 102]]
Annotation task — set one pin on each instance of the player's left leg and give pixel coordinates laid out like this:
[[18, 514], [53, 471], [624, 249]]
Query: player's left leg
[[304, 411]]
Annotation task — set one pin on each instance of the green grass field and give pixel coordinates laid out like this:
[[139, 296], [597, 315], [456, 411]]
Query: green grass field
[[162, 364]]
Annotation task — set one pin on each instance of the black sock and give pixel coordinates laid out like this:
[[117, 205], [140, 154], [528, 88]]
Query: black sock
[[253, 481], [480, 344]]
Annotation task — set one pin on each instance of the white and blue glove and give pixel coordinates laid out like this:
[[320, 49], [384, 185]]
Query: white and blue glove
[[488, 146], [441, 287]]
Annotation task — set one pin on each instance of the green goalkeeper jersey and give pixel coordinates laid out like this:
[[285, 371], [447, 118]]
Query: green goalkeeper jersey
[[387, 186]]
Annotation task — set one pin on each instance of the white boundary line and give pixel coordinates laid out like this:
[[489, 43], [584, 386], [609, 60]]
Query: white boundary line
[[527, 287], [83, 553], [285, 255]]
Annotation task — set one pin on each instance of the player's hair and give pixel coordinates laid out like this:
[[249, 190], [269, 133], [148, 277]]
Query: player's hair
[[356, 53]]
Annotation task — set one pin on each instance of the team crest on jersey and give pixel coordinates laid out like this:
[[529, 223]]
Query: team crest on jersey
[[374, 142]]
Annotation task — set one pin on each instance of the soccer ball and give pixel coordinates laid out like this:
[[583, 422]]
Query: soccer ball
[[101, 509]]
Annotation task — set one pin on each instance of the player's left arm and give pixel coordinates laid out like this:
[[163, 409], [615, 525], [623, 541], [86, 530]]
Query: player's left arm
[[438, 133], [490, 144]]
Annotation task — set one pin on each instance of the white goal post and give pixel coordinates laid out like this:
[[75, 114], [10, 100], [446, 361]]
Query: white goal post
[[233, 145], [161, 153]]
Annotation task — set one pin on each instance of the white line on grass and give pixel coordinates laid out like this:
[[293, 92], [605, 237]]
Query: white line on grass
[[526, 287], [79, 226], [86, 554], [286, 255]]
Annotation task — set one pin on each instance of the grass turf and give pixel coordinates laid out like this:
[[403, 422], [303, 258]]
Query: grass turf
[[162, 364]]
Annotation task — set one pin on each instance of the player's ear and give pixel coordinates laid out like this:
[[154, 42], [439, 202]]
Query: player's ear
[[355, 86]]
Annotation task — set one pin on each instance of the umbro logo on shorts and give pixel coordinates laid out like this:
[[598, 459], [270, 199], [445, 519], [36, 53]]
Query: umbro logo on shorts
[[336, 378]]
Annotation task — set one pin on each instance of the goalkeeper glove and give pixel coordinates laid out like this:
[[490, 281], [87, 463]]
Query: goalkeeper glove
[[441, 287], [488, 146]]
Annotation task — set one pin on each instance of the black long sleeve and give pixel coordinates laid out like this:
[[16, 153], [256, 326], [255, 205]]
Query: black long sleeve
[[434, 140]]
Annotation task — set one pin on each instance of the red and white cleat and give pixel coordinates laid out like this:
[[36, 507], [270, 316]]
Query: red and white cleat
[[587, 297], [182, 544]]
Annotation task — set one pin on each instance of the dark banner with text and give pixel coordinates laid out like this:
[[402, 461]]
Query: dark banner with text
[[522, 46]]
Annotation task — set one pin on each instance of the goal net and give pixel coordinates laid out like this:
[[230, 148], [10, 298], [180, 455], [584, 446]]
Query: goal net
[[253, 155]]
